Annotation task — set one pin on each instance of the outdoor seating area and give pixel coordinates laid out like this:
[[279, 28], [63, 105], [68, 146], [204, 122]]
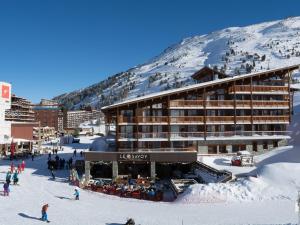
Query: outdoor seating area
[[126, 187]]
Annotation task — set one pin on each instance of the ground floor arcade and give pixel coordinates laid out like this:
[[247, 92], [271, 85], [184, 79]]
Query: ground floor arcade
[[138, 164]]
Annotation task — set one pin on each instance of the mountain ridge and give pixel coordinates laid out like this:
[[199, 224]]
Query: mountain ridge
[[233, 50]]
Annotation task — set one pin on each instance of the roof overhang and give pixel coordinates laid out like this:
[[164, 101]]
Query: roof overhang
[[159, 95]]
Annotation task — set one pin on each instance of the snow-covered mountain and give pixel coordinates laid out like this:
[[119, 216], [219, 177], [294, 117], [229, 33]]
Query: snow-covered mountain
[[235, 50]]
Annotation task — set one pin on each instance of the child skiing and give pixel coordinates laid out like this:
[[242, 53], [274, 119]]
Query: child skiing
[[15, 178], [76, 194], [44, 213], [6, 189]]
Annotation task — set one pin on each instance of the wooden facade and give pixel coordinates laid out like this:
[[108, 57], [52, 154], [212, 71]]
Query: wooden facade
[[252, 108]]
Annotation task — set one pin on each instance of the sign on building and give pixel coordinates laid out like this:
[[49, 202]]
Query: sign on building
[[133, 157], [5, 103], [5, 95]]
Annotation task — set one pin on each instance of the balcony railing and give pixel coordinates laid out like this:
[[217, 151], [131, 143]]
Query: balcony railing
[[200, 135], [201, 119], [258, 88], [186, 119], [152, 119], [186, 103], [190, 149], [227, 104]]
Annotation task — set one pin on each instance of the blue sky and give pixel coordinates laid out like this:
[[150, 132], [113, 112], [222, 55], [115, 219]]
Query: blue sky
[[49, 47]]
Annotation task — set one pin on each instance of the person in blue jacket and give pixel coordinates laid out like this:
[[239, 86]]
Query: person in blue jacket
[[15, 177], [8, 177], [76, 194]]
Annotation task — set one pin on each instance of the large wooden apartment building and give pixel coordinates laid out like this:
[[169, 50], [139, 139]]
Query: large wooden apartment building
[[218, 114]]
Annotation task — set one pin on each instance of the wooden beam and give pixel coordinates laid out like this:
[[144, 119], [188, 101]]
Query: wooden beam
[[234, 99], [117, 129], [204, 112], [251, 102], [289, 85], [169, 120], [137, 125]]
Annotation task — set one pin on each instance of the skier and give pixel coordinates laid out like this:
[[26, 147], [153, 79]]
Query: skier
[[19, 168], [49, 156], [44, 213], [32, 156], [81, 153], [12, 167], [52, 173], [8, 177], [70, 163], [6, 189], [76, 194], [15, 177], [23, 165], [75, 153]]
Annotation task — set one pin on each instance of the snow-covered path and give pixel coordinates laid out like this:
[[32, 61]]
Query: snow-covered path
[[24, 205]]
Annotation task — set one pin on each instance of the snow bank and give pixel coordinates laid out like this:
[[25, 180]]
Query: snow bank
[[279, 181]]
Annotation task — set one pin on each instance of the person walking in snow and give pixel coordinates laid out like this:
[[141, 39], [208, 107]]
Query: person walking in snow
[[8, 177], [70, 163], [76, 194], [52, 172], [15, 178], [19, 168], [6, 189], [12, 167], [23, 165], [44, 213], [75, 153]]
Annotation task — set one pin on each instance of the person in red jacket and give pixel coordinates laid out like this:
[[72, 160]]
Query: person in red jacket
[[23, 165], [44, 213]]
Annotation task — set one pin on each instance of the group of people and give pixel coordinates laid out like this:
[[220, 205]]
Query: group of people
[[56, 163], [12, 175]]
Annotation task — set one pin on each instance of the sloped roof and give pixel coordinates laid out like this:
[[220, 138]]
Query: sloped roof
[[208, 71], [196, 86]]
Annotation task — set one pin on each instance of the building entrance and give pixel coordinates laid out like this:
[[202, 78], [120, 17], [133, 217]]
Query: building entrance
[[134, 169]]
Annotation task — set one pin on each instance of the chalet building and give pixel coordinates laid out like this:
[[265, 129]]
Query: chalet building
[[218, 114]]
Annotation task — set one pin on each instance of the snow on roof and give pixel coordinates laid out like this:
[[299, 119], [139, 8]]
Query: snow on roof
[[194, 86]]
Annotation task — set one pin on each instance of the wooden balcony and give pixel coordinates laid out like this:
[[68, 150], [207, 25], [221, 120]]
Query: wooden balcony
[[187, 104], [226, 104], [188, 149], [187, 119], [153, 119], [258, 89], [198, 135], [176, 120]]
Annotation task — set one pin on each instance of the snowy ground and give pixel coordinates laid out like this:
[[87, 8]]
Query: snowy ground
[[267, 199], [225, 206]]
